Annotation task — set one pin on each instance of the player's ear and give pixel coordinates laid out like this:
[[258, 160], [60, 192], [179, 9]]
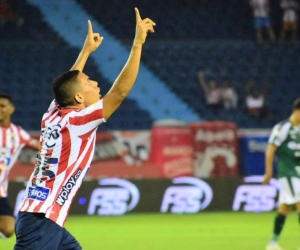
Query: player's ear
[[79, 98], [12, 109]]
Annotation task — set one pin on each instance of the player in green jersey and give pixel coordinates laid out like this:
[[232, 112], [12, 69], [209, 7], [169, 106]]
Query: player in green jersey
[[284, 144]]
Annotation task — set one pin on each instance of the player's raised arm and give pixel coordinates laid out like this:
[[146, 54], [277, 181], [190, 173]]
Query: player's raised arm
[[125, 81], [92, 42]]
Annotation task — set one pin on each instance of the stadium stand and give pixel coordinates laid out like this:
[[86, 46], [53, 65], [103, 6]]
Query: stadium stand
[[187, 39]]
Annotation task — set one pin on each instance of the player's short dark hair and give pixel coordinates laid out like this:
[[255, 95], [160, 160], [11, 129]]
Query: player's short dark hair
[[296, 104], [63, 88], [7, 97]]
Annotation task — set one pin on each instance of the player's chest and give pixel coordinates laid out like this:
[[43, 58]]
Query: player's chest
[[292, 141], [294, 135], [9, 139], [10, 142]]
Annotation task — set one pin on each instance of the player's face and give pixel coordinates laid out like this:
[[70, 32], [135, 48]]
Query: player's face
[[89, 89], [6, 109]]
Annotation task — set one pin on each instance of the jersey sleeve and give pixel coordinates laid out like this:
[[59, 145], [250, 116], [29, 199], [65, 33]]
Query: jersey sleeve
[[27, 139], [278, 135], [53, 105]]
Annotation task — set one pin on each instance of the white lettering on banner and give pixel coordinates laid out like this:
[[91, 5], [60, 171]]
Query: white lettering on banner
[[177, 167], [254, 197], [257, 146], [188, 195], [115, 197], [204, 163], [209, 136]]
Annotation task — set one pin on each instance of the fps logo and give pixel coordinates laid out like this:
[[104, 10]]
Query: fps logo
[[187, 195], [114, 197], [255, 197]]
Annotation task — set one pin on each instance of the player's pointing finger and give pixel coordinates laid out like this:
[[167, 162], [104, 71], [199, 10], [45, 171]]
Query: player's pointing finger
[[90, 28], [137, 15]]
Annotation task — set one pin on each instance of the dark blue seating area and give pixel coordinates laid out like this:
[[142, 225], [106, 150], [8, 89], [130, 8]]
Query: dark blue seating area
[[187, 38], [34, 28], [27, 71], [32, 56], [177, 20], [178, 64]]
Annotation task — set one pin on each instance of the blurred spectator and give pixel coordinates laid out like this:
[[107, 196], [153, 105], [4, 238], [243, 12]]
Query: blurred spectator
[[254, 103], [290, 18], [7, 14], [261, 10], [212, 91], [256, 100], [229, 94]]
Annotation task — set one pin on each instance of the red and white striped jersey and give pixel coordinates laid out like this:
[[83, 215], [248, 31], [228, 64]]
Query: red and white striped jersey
[[67, 146], [12, 140]]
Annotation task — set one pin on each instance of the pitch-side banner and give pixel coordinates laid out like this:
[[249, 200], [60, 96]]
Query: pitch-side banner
[[124, 154], [181, 195], [172, 150], [203, 150], [215, 149]]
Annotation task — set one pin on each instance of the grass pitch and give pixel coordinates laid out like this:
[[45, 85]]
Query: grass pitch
[[203, 231]]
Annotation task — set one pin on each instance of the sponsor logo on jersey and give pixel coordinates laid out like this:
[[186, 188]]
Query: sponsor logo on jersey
[[4, 156], [66, 189], [114, 197], [50, 135], [293, 145], [256, 197], [38, 193], [187, 195]]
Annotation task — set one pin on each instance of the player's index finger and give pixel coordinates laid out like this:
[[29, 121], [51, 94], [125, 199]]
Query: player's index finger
[[137, 14], [90, 28]]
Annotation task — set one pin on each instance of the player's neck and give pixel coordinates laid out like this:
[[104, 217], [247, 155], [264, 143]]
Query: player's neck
[[79, 107], [4, 123], [295, 120]]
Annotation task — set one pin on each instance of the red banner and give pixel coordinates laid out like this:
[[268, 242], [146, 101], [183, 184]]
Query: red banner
[[215, 149], [117, 154], [171, 150], [201, 149]]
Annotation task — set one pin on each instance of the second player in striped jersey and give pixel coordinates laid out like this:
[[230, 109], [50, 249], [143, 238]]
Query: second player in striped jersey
[[12, 139]]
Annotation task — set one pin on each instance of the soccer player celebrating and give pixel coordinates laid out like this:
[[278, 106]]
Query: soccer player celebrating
[[12, 139], [284, 142], [68, 133]]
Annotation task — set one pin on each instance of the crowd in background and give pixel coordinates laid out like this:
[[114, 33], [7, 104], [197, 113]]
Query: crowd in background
[[220, 93], [263, 24], [254, 100]]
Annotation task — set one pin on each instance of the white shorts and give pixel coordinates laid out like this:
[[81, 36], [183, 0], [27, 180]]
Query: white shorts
[[289, 190]]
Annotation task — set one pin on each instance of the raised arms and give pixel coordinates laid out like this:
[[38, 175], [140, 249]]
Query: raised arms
[[125, 81]]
